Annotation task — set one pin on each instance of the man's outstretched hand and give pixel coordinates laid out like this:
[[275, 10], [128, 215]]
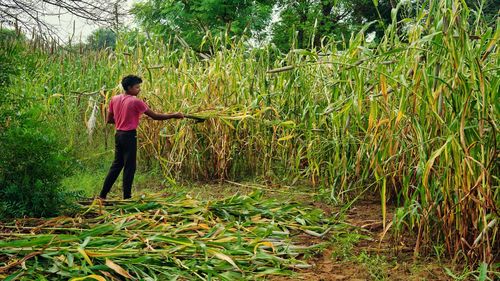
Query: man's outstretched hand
[[178, 115], [160, 116]]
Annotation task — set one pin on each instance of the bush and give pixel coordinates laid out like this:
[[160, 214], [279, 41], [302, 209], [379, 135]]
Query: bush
[[32, 161], [32, 165]]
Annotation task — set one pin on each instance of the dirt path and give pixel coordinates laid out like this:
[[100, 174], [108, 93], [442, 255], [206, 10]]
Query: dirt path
[[362, 255]]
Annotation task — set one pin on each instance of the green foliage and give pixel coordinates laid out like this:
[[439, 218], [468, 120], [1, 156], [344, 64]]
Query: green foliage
[[32, 161], [191, 20], [32, 165], [302, 24], [480, 273], [376, 265], [307, 24], [10, 48], [102, 38], [344, 244], [14, 61], [8, 67], [132, 37], [484, 10], [412, 118]]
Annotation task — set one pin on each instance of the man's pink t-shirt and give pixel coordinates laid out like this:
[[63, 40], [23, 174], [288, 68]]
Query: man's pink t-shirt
[[126, 110]]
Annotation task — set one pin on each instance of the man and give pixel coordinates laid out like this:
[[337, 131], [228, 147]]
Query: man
[[124, 111]]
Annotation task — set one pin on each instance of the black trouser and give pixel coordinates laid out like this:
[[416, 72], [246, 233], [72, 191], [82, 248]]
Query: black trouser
[[125, 158]]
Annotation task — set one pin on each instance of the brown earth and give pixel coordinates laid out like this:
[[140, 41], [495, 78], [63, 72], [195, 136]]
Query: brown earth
[[389, 262]]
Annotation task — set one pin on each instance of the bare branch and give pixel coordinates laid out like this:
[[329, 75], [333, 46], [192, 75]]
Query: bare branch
[[30, 13]]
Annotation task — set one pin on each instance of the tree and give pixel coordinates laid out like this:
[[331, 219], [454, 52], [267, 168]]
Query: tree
[[489, 9], [102, 38], [313, 20], [191, 20], [303, 22], [28, 14]]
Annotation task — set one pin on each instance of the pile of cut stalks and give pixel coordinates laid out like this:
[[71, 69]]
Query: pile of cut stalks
[[243, 237]]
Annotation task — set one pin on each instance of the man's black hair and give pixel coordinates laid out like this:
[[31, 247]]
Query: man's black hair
[[130, 80]]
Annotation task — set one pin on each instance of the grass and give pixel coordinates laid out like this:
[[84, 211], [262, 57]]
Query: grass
[[89, 182], [376, 266], [346, 245]]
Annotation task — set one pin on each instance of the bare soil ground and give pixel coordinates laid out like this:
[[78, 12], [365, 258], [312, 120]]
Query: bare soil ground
[[370, 258]]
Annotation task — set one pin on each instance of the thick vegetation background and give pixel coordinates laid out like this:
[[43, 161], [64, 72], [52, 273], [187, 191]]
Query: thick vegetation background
[[410, 115]]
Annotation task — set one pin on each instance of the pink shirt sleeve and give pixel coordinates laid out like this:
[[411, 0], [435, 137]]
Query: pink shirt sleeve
[[141, 106]]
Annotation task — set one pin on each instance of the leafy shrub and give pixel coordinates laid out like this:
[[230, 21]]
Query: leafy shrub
[[32, 161], [32, 165]]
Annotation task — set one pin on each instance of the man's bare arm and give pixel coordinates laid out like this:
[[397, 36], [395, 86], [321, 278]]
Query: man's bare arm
[[160, 116], [111, 118]]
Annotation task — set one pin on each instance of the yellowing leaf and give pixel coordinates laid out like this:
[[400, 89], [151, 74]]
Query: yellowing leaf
[[286, 138], [225, 239], [400, 115], [95, 254], [93, 276], [203, 226], [383, 86], [438, 91], [288, 123], [256, 218], [266, 243], [281, 69], [85, 256], [430, 162], [239, 117], [118, 269], [372, 116], [190, 203], [227, 123], [222, 256], [382, 122]]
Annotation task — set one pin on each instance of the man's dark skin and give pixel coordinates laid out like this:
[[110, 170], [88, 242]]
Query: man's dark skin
[[126, 145], [134, 91]]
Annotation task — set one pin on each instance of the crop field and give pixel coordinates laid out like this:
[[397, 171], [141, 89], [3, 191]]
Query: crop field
[[410, 122]]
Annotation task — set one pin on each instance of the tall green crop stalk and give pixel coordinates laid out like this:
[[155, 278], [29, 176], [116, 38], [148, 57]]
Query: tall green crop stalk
[[413, 118], [431, 132]]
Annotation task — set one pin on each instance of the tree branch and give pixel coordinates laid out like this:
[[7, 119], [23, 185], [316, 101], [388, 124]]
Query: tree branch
[[30, 13]]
